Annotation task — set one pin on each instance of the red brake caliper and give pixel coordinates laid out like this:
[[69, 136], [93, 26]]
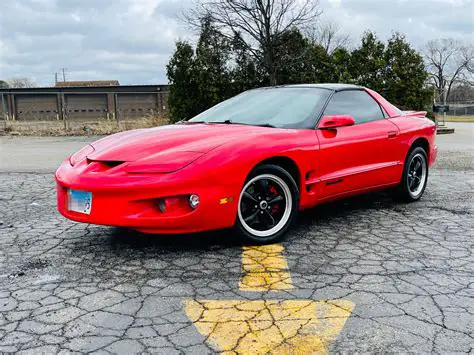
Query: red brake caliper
[[274, 194]]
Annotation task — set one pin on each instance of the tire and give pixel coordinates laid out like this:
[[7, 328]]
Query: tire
[[268, 205], [414, 180]]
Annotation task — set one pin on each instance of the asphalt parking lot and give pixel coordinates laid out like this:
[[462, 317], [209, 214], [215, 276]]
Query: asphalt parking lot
[[361, 275]]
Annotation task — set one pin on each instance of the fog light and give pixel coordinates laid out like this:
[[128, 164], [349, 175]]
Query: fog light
[[194, 201]]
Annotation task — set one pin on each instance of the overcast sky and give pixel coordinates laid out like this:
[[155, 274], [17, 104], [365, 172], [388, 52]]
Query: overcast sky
[[131, 40]]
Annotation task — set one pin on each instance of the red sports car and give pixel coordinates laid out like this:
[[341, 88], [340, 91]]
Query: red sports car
[[251, 162]]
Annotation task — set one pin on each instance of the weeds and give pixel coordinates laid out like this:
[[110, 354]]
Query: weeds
[[81, 128]]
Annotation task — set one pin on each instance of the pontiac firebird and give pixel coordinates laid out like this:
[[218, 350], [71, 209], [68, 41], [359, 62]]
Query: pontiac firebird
[[251, 163]]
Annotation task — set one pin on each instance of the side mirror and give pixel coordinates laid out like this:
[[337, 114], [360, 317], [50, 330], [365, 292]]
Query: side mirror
[[335, 121]]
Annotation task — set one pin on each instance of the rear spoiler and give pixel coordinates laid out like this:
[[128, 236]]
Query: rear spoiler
[[414, 113]]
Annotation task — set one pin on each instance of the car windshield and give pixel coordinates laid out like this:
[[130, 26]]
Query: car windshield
[[284, 107]]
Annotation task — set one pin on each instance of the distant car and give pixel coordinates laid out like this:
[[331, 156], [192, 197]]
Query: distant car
[[251, 163]]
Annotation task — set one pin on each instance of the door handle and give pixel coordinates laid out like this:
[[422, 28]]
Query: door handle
[[392, 134]]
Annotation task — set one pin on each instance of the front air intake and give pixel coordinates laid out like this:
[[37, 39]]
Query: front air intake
[[103, 165], [111, 163]]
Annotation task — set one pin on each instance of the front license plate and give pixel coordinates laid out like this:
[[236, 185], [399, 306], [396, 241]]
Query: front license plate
[[80, 201]]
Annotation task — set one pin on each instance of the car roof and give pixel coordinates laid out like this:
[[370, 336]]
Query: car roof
[[328, 86]]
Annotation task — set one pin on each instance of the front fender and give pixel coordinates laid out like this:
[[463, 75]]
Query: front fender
[[230, 164]]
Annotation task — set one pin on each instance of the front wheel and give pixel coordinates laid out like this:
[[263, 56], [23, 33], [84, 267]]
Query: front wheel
[[268, 204], [415, 176]]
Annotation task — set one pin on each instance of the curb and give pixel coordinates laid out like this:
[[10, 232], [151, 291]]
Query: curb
[[444, 130]]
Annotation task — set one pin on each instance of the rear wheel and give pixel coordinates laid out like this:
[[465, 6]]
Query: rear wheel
[[268, 204], [415, 176]]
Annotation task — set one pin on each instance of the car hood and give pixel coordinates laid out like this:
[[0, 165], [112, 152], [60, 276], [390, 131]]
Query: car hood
[[135, 145]]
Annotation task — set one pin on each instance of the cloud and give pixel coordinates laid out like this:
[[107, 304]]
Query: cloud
[[132, 40], [419, 20]]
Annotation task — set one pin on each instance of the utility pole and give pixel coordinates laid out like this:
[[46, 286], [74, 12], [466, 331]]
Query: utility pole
[[55, 78], [4, 109], [64, 73], [444, 104]]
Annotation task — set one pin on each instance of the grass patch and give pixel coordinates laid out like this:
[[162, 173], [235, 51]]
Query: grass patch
[[105, 127], [97, 127], [456, 119]]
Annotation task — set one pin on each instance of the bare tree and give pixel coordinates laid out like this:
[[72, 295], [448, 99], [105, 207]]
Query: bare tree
[[21, 83], [468, 57], [448, 62], [462, 92], [328, 35], [259, 23]]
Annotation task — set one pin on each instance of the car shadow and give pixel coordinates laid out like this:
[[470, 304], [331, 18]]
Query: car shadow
[[341, 208], [217, 239], [226, 238]]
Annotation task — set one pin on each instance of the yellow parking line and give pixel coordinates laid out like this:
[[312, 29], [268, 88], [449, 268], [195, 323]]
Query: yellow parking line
[[264, 268]]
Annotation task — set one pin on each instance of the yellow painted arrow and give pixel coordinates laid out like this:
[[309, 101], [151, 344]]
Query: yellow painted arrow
[[269, 326]]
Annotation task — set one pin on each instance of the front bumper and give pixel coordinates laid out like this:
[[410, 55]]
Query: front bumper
[[131, 200]]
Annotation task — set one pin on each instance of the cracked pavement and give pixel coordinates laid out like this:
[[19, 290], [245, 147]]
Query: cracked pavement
[[407, 270]]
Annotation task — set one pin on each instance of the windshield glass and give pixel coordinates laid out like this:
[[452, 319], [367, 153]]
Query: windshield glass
[[284, 107]]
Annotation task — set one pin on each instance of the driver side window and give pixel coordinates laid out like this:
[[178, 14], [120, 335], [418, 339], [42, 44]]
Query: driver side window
[[356, 103]]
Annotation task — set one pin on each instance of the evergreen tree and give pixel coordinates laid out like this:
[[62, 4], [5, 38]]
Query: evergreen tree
[[183, 102], [212, 60], [405, 75], [221, 67], [246, 72], [300, 60], [368, 62], [341, 66]]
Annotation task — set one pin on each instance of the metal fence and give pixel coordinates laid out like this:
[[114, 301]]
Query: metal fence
[[465, 108]]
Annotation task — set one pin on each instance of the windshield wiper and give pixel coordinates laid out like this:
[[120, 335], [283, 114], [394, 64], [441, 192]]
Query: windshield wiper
[[225, 121], [246, 124], [265, 125], [190, 122], [230, 122]]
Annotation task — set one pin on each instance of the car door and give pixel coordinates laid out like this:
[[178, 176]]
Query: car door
[[360, 156]]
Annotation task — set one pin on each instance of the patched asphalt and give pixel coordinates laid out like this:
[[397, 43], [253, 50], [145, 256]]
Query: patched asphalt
[[406, 269]]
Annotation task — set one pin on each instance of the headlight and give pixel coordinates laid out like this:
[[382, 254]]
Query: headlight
[[81, 154], [163, 163]]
